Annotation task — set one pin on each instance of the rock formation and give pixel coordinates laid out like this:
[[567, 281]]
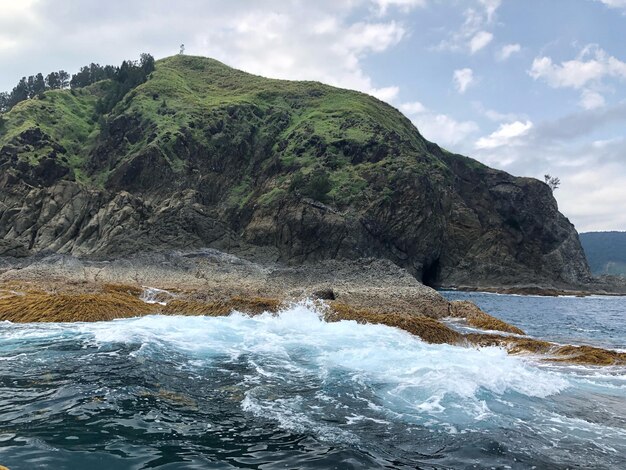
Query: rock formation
[[202, 155]]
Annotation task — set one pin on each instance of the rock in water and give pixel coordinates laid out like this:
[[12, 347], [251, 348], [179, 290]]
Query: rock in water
[[202, 155]]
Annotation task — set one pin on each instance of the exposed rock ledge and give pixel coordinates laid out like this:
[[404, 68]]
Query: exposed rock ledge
[[210, 274], [63, 288]]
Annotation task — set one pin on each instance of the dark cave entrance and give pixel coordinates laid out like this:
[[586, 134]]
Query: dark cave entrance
[[430, 273]]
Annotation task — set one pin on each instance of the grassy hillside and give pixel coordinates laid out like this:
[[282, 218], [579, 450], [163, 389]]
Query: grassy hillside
[[186, 96], [606, 252], [198, 154]]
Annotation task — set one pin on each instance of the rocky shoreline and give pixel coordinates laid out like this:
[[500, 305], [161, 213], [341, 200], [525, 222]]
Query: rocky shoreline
[[214, 275], [613, 286], [62, 288]]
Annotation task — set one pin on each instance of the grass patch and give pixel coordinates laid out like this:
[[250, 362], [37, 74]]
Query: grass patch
[[240, 195], [272, 196], [201, 112]]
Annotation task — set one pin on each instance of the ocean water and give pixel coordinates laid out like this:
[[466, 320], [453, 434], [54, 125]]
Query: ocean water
[[594, 320], [292, 391]]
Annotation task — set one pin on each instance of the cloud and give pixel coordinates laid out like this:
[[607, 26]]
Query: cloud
[[507, 51], [579, 125], [505, 135], [388, 94], [373, 37], [16, 21], [588, 72], [591, 100], [491, 6], [494, 115], [593, 177], [414, 107], [614, 3], [592, 65], [443, 129], [324, 40], [463, 78], [604, 189], [404, 5], [592, 172], [472, 36], [438, 127], [480, 40]]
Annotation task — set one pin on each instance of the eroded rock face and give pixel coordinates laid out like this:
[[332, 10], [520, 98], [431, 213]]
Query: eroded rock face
[[499, 223], [226, 176], [488, 229]]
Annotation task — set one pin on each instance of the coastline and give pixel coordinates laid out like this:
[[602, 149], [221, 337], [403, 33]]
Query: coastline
[[597, 286], [60, 288]]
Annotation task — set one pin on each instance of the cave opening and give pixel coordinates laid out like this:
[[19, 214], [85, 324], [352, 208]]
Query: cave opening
[[430, 273]]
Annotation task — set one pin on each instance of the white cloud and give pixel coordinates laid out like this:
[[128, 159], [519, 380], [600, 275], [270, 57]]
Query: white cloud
[[507, 51], [404, 5], [444, 129], [324, 40], [388, 94], [7, 43], [14, 10], [494, 115], [414, 107], [591, 99], [463, 78], [472, 35], [437, 127], [614, 3], [604, 190], [479, 40], [280, 45], [16, 21], [593, 173], [375, 37], [490, 8], [592, 65], [505, 135], [588, 72]]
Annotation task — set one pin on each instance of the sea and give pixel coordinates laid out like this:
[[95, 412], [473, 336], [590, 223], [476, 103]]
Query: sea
[[291, 391]]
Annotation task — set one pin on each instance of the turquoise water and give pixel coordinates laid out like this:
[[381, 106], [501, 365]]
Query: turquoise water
[[292, 391]]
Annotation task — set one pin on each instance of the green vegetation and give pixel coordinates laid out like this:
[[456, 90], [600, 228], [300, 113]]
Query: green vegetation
[[33, 86], [271, 197], [281, 138], [606, 252], [66, 120], [125, 77], [239, 195]]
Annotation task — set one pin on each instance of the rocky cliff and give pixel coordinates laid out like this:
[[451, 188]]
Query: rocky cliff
[[201, 155]]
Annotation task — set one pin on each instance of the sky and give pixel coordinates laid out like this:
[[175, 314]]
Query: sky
[[532, 87]]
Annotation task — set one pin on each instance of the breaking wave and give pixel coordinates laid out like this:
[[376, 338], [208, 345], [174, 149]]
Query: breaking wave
[[371, 393]]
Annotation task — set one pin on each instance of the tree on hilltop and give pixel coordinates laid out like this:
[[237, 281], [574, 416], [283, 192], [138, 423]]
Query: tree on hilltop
[[552, 182]]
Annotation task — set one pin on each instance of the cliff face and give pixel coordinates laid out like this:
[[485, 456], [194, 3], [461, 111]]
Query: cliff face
[[202, 155]]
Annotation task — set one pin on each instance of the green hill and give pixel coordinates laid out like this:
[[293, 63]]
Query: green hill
[[606, 252], [202, 155]]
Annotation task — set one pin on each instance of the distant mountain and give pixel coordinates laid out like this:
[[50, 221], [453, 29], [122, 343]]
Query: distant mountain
[[606, 252], [197, 154]]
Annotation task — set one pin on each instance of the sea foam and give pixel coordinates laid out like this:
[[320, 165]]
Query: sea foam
[[388, 367]]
